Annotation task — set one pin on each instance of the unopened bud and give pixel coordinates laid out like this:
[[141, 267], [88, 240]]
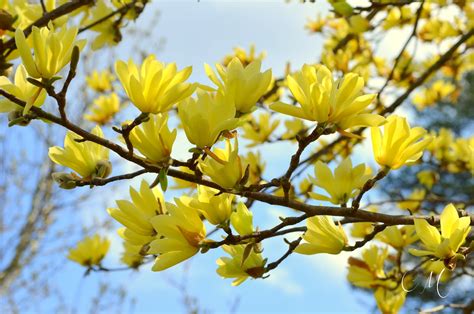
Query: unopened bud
[[103, 169], [64, 180], [17, 118]]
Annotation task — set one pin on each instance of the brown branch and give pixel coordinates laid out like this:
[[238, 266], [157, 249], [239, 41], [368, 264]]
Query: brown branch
[[367, 186], [367, 238]]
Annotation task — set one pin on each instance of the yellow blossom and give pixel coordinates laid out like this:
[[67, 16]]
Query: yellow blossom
[[444, 245], [87, 158], [344, 184], [205, 118], [135, 215], [52, 50], [21, 89], [243, 85], [256, 166], [179, 235], [398, 237], [400, 145], [322, 236], [242, 220], [103, 109], [324, 100], [235, 267], [131, 255], [438, 91], [243, 56], [428, 178], [154, 139], [259, 131], [368, 272], [293, 128], [390, 301], [215, 208], [438, 269], [154, 87], [413, 201], [100, 81], [90, 251], [224, 166]]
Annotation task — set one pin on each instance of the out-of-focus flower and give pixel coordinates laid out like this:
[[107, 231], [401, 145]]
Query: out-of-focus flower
[[90, 251], [239, 268], [414, 200], [343, 185], [322, 236], [438, 91], [242, 85], [259, 131], [88, 159], [398, 237], [390, 301], [100, 81], [400, 145], [368, 272], [428, 178], [154, 139], [154, 87], [103, 109], [244, 57]]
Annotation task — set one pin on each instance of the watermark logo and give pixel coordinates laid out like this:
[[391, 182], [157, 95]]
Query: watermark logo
[[428, 284]]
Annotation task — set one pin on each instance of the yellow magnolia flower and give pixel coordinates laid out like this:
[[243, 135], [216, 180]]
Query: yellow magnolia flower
[[244, 57], [103, 109], [154, 87], [397, 237], [438, 91], [223, 166], [131, 255], [390, 301], [322, 236], [154, 139], [259, 131], [100, 81], [324, 100], [414, 200], [179, 235], [235, 267], [256, 166], [205, 118], [343, 185], [293, 128], [437, 268], [368, 272], [242, 220], [88, 159], [52, 49], [135, 215], [215, 208], [400, 145], [361, 229], [428, 178], [243, 85], [21, 89], [454, 231], [437, 30], [90, 251]]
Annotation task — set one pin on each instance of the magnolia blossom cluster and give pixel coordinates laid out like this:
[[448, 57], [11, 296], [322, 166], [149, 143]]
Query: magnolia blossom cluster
[[214, 119]]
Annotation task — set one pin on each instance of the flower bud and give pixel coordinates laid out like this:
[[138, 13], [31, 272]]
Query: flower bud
[[103, 169], [65, 180]]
